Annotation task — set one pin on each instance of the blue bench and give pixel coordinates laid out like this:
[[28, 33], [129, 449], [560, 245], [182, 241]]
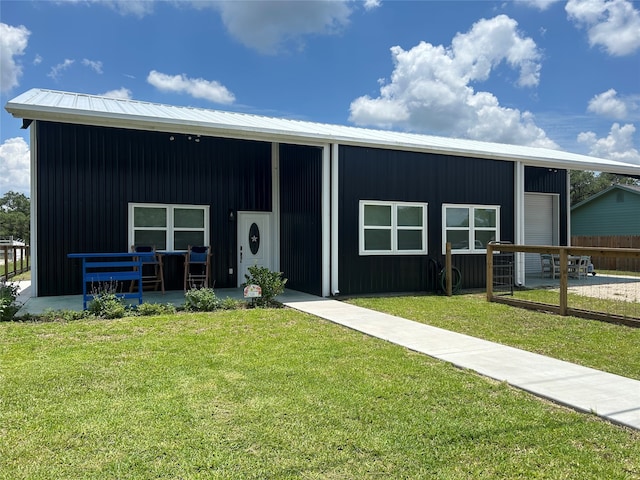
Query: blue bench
[[111, 267]]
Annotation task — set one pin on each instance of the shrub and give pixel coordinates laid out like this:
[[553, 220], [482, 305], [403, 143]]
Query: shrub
[[201, 300], [271, 283], [50, 315], [8, 295], [231, 304], [107, 305], [149, 309]]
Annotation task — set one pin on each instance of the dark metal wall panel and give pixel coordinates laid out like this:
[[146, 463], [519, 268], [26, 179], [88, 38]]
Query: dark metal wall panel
[[88, 175], [376, 174], [550, 180], [301, 217]]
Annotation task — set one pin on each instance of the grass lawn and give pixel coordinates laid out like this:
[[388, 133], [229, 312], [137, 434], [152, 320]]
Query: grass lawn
[[600, 345], [605, 305], [275, 394]]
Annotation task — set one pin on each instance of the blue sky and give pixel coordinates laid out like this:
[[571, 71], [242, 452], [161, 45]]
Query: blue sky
[[559, 74]]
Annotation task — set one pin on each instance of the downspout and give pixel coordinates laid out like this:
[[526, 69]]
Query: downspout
[[520, 220], [33, 240], [568, 200], [326, 220], [275, 205], [335, 207]]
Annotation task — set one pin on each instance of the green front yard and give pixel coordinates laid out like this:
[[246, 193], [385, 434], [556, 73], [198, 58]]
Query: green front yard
[[274, 393]]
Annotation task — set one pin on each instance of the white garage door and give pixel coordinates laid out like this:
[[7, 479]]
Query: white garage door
[[540, 228]]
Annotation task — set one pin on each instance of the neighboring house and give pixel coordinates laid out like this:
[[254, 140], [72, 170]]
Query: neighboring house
[[337, 209], [611, 212]]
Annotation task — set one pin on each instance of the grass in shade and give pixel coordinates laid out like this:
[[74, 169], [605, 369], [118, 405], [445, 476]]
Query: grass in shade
[[603, 346], [276, 394]]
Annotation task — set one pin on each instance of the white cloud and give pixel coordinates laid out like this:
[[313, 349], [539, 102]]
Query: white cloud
[[95, 65], [139, 8], [196, 87], [14, 164], [618, 145], [430, 88], [539, 4], [122, 93], [371, 4], [59, 68], [268, 25], [608, 104], [37, 60], [13, 41], [613, 24]]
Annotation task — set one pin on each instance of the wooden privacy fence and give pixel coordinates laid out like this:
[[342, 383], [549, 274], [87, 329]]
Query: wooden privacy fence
[[564, 254], [14, 260], [621, 264]]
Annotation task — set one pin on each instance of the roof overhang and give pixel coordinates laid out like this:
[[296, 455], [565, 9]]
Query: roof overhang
[[76, 108]]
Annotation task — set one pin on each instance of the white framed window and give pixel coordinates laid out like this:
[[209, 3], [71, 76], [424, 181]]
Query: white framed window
[[470, 227], [168, 227], [392, 228]]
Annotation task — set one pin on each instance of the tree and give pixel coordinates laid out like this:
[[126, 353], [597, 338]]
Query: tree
[[15, 216], [585, 184]]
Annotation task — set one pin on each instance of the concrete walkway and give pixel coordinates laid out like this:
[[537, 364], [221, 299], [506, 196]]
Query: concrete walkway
[[607, 395]]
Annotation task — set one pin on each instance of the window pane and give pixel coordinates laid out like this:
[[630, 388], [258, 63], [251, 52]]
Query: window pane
[[409, 239], [409, 216], [377, 215], [377, 239], [182, 240], [485, 217], [483, 237], [152, 238], [149, 217], [188, 218], [459, 239], [457, 217]]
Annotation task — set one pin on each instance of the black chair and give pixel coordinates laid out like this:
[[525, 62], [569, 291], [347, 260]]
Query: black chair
[[152, 269], [197, 263]]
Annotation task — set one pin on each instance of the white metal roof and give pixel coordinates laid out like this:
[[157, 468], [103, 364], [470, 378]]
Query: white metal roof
[[40, 104]]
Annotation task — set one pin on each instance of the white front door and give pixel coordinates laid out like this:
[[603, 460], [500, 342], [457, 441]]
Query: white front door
[[254, 242]]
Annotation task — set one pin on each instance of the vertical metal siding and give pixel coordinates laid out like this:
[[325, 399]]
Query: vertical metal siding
[[390, 175], [301, 217], [88, 175]]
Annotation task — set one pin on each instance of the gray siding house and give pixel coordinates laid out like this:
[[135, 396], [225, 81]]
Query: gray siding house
[[339, 210]]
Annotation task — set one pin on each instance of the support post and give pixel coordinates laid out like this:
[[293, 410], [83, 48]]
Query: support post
[[5, 253], [564, 280], [449, 270], [489, 272]]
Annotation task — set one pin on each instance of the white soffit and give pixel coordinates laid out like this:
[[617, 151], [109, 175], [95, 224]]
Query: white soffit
[[39, 104]]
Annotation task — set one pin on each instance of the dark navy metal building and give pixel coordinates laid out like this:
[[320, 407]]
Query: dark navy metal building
[[339, 210]]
